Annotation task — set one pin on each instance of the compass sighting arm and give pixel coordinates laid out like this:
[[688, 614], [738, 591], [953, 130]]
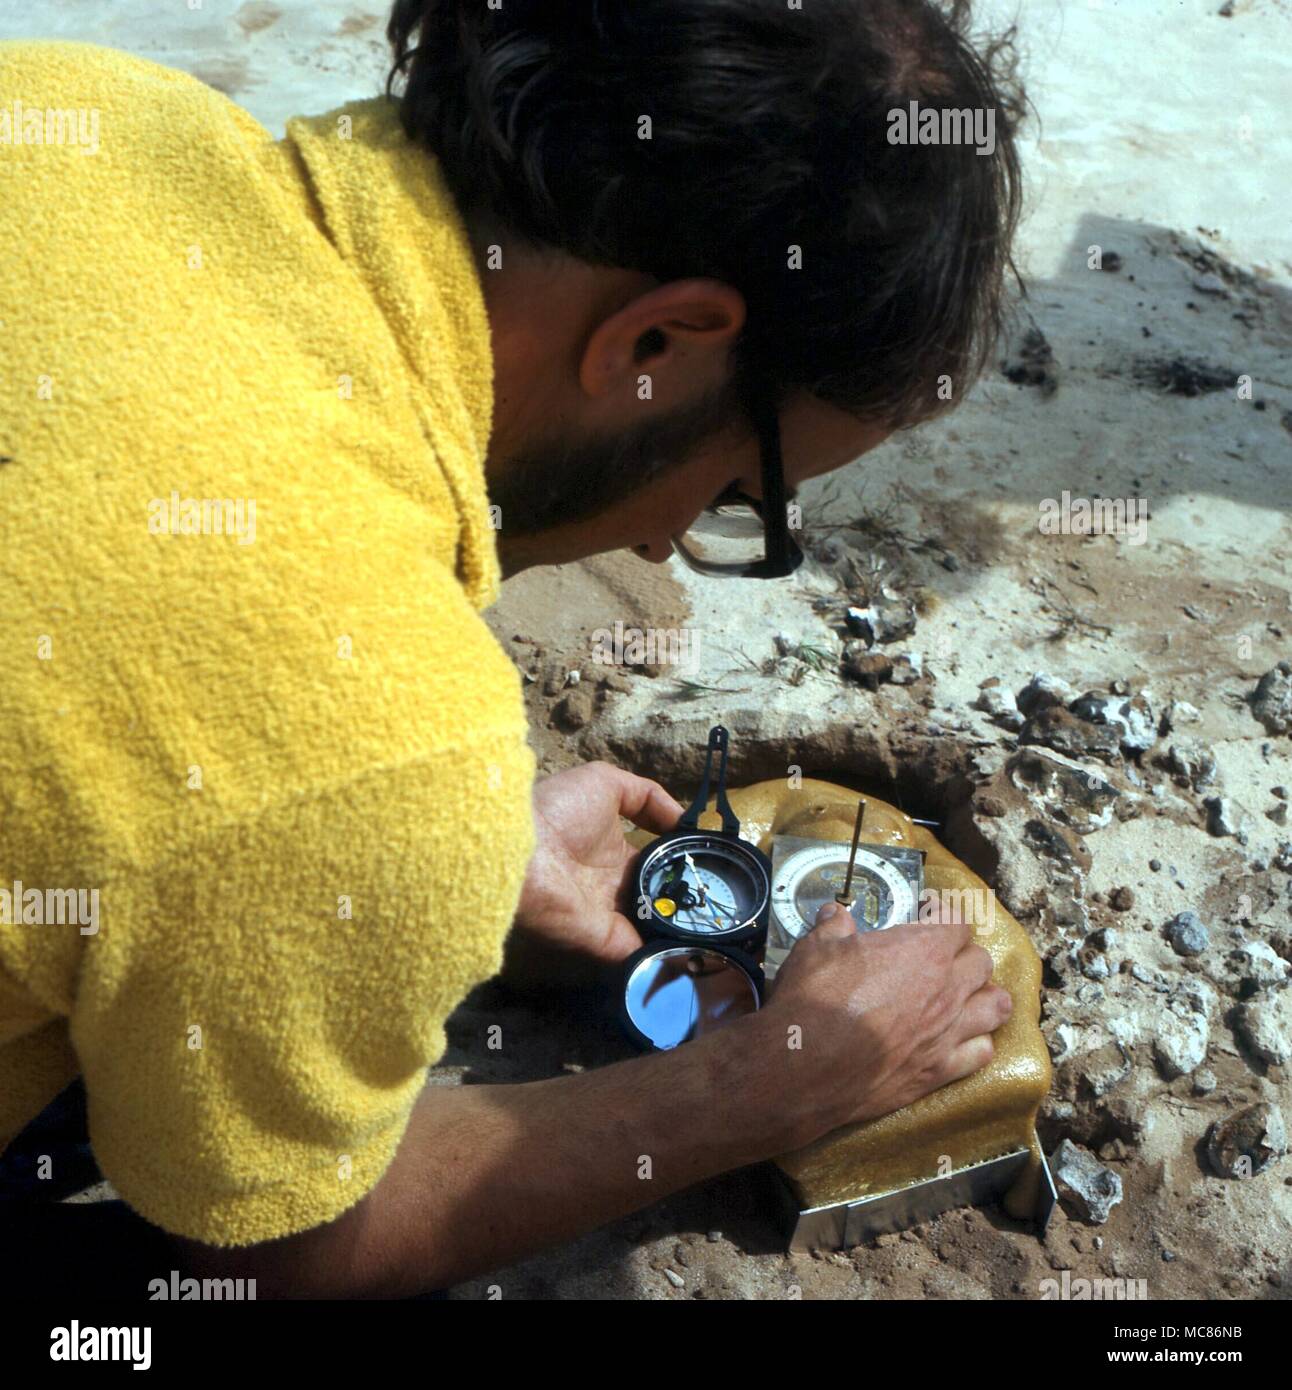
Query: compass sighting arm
[[691, 817]]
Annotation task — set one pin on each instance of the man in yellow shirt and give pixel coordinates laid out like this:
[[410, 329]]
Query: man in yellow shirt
[[277, 418]]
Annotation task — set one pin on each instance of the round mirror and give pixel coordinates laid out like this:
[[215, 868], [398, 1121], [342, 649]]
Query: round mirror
[[678, 993]]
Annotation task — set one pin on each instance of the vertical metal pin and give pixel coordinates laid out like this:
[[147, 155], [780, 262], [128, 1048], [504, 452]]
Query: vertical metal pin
[[845, 898]]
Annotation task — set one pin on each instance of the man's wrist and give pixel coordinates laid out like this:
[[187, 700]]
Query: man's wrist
[[757, 1097]]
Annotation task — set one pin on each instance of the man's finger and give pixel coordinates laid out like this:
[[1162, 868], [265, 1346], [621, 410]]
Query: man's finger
[[970, 1056], [647, 804], [833, 920]]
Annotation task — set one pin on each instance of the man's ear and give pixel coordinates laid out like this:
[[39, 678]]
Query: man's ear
[[685, 329], [651, 343]]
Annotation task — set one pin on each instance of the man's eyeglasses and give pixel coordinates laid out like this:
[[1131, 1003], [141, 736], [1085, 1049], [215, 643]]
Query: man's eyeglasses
[[738, 536]]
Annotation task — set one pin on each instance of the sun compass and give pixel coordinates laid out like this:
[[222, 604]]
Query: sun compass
[[880, 885]]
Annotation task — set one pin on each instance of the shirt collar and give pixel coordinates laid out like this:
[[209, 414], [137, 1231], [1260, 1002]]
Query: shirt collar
[[389, 212]]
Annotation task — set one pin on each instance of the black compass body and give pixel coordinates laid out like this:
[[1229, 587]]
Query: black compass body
[[703, 899], [705, 886]]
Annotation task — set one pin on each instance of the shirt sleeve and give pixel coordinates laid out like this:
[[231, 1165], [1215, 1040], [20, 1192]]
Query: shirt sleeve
[[254, 1036]]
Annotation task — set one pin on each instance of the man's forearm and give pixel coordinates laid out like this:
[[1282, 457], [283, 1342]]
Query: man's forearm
[[488, 1174]]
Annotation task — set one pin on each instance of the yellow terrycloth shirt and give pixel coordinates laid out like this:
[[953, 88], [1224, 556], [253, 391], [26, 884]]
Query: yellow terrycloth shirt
[[290, 762]]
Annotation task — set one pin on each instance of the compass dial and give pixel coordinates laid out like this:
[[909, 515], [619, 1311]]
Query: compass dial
[[704, 886], [882, 895]]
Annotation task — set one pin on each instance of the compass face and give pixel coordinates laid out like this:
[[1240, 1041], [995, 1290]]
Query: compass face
[[882, 894], [704, 886]]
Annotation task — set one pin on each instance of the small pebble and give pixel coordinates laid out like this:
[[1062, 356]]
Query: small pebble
[[1155, 865], [1096, 968], [1187, 934], [1222, 819], [1122, 899], [675, 1278]]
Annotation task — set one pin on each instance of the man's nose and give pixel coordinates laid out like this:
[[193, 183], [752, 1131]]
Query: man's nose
[[658, 552]]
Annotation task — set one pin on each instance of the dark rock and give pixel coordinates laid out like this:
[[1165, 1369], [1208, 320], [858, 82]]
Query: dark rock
[[576, 709], [1265, 1026], [1248, 1141], [1071, 795], [1061, 730], [1031, 363], [869, 669], [1132, 718], [1272, 701], [1189, 763], [1187, 934], [1086, 1187], [1221, 819], [1042, 691]]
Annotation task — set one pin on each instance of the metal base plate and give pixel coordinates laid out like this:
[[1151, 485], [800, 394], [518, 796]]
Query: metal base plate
[[842, 1225]]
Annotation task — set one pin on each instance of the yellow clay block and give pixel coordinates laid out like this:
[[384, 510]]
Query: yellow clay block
[[980, 1117]]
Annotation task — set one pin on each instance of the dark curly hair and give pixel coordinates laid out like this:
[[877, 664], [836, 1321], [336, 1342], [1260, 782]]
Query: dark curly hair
[[769, 131]]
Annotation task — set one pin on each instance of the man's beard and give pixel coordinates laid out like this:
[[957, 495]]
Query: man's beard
[[571, 480]]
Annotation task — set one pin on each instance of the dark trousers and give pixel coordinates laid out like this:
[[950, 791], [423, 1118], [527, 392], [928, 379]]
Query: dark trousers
[[53, 1248]]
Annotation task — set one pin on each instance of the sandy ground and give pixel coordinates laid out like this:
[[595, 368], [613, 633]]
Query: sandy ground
[[1162, 140]]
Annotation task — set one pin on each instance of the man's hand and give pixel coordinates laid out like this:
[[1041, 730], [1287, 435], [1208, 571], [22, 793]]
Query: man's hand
[[886, 1016], [580, 869]]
